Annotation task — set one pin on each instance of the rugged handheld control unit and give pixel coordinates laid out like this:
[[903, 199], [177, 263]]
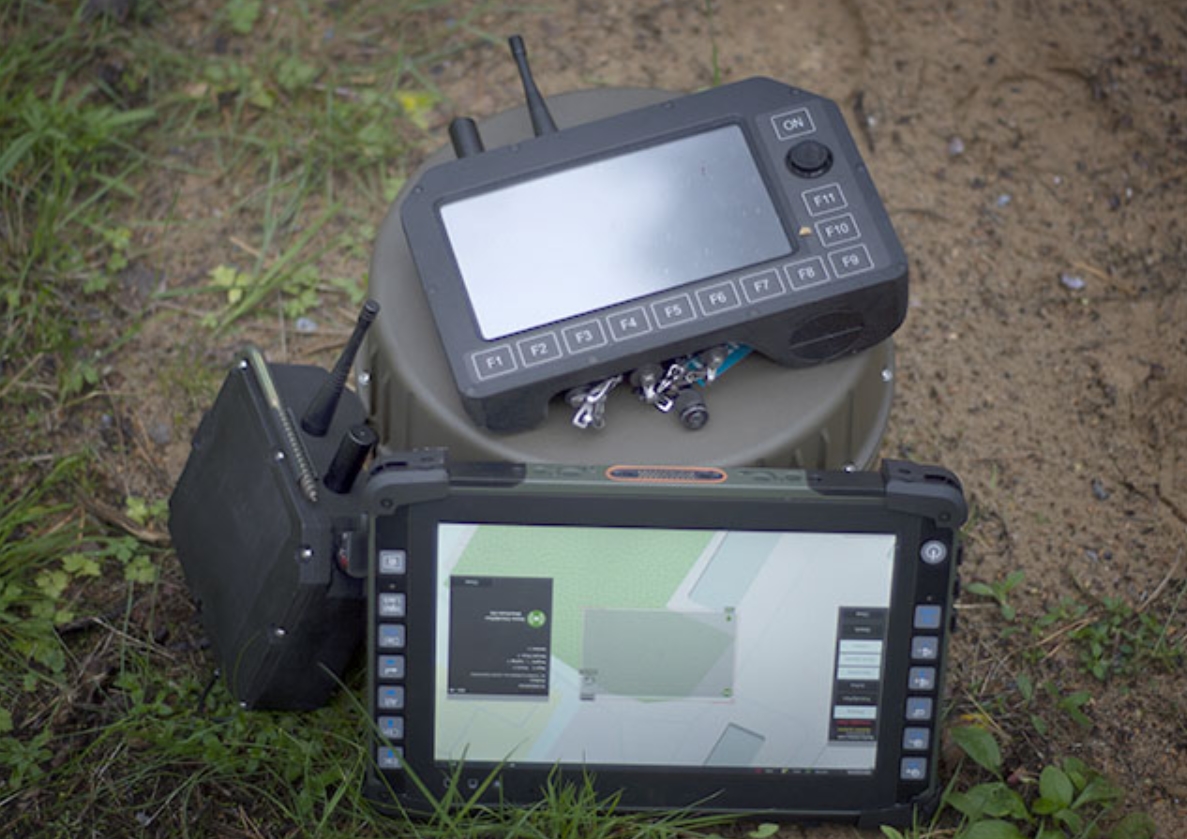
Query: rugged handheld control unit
[[267, 521], [752, 640], [741, 215]]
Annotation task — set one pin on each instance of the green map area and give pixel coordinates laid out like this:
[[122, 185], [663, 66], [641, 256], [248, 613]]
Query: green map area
[[644, 653], [622, 568]]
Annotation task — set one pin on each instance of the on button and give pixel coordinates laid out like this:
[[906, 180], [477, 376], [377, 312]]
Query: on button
[[791, 124]]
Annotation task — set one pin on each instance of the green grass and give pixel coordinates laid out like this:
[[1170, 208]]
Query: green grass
[[35, 529], [1110, 637], [67, 158], [1113, 638], [1063, 799], [1005, 788]]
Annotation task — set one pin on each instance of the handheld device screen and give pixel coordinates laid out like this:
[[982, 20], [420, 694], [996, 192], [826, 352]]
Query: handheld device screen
[[612, 230], [628, 646]]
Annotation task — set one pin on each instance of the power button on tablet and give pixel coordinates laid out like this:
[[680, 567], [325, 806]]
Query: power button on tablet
[[933, 552]]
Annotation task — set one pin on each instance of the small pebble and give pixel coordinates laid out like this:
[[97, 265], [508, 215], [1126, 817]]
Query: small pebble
[[1072, 281], [160, 433], [1004, 199], [117, 9], [955, 146], [1098, 490], [306, 325]]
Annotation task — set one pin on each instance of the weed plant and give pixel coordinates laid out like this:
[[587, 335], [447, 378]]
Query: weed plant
[[996, 797], [1066, 799], [1115, 639]]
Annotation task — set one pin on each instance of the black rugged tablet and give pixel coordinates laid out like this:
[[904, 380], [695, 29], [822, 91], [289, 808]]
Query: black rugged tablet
[[755, 641]]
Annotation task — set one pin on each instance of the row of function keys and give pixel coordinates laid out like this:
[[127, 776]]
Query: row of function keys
[[676, 310]]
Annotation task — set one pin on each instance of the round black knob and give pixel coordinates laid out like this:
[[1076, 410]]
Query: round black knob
[[690, 408], [809, 159]]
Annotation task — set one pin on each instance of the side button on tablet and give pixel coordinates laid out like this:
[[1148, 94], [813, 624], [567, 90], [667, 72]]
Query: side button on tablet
[[928, 616], [913, 769], [921, 678], [920, 708], [389, 757], [392, 563], [391, 667], [925, 648], [916, 739]]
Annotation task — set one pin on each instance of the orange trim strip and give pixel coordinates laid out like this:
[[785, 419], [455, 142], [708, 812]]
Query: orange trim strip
[[678, 474]]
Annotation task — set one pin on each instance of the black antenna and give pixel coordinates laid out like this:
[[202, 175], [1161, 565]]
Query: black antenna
[[463, 134], [320, 413], [348, 460], [537, 108]]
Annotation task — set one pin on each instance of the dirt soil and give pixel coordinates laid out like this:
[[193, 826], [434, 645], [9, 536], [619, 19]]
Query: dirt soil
[[1033, 158]]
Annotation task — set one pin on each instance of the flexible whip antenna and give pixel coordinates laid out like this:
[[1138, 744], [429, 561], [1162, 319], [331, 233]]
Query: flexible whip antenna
[[321, 410], [542, 122]]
